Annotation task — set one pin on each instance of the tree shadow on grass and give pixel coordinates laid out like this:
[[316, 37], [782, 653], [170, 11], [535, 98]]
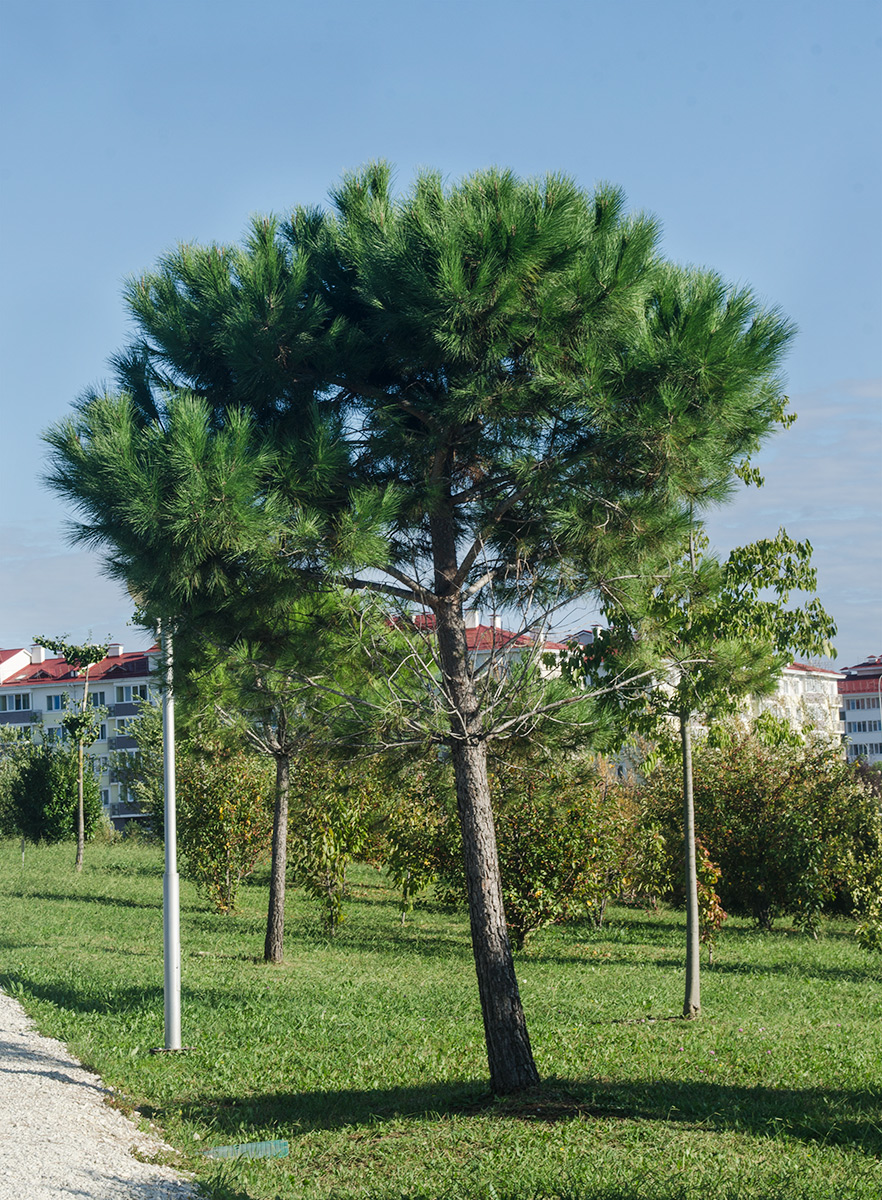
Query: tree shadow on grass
[[72, 998], [229, 924], [870, 973], [828, 1116], [409, 941], [92, 898], [645, 930]]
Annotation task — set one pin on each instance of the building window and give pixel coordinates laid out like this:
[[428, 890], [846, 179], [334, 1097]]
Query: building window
[[137, 691], [97, 698], [15, 702], [54, 703], [863, 749], [105, 797]]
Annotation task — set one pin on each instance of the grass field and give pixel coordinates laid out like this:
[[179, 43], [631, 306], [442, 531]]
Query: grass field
[[366, 1053]]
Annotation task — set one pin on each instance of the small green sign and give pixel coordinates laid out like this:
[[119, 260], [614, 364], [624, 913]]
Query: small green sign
[[277, 1149]]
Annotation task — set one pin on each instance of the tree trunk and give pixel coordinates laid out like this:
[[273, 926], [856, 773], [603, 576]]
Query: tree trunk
[[692, 1001], [505, 1029], [81, 819], [274, 945]]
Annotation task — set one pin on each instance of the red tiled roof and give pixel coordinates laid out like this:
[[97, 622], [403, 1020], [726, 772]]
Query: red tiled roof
[[866, 683], [488, 637], [796, 666], [52, 669]]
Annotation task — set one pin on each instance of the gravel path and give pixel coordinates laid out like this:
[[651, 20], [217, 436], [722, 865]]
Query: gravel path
[[57, 1136]]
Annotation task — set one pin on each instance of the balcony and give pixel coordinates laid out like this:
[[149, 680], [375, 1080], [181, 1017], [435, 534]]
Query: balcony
[[23, 717], [122, 742]]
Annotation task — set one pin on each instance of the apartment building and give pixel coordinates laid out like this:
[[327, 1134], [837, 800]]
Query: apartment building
[[807, 697], [37, 689], [860, 694]]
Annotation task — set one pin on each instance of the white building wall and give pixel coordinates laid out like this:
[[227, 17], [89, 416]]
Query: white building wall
[[807, 698], [49, 699], [860, 696]]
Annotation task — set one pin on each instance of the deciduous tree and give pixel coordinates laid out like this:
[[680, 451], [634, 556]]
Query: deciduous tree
[[707, 634], [80, 723]]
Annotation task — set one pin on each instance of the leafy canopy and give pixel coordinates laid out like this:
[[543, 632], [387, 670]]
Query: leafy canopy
[[700, 638], [508, 362]]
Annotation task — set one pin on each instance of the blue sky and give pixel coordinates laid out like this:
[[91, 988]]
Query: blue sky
[[751, 129]]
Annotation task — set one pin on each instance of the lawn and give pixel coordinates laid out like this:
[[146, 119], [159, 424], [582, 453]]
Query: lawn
[[366, 1052]]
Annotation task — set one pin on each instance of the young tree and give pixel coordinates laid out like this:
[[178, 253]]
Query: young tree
[[709, 635], [81, 723], [495, 393], [264, 703], [52, 800], [16, 749], [256, 686]]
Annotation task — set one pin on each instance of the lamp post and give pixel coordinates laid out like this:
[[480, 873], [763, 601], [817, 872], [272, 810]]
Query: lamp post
[[171, 900], [171, 892]]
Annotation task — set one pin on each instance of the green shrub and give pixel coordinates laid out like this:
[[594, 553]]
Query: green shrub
[[418, 827], [793, 829], [866, 886], [224, 818], [563, 835], [333, 816], [45, 795], [15, 749]]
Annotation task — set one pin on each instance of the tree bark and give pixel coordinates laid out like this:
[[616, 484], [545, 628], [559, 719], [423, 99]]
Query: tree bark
[[692, 1000], [274, 945], [509, 1054]]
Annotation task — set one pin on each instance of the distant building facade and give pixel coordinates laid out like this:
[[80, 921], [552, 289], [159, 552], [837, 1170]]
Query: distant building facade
[[36, 690], [807, 697], [860, 693]]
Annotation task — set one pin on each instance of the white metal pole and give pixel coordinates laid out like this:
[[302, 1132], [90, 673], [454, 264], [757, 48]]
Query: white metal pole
[[171, 901]]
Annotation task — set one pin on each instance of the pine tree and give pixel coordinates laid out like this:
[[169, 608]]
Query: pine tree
[[494, 393]]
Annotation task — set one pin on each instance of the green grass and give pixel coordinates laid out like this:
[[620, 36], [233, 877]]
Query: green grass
[[366, 1053]]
